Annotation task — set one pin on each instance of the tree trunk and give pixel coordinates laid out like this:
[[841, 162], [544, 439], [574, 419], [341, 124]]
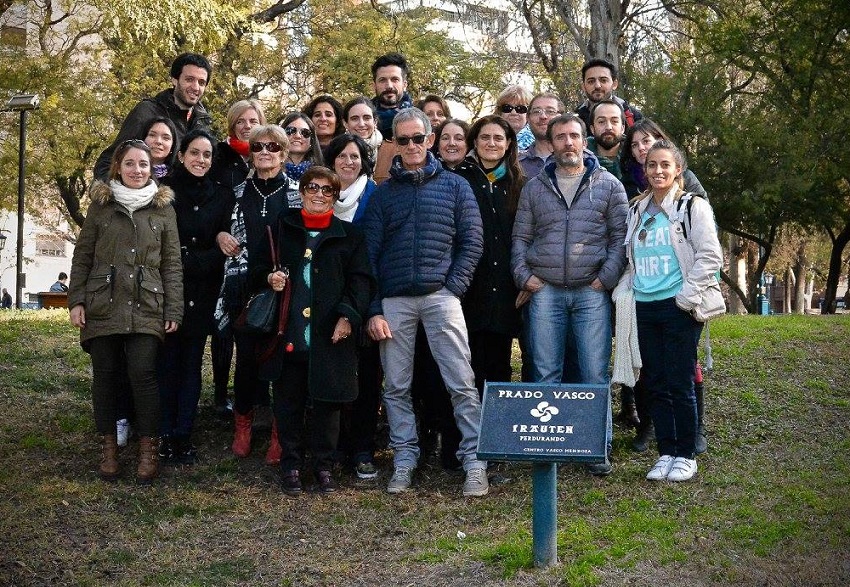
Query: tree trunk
[[737, 273], [800, 270], [789, 289], [835, 264], [605, 29]]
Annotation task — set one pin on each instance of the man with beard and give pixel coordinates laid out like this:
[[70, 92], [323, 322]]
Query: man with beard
[[541, 109], [599, 80], [568, 254], [607, 128], [389, 79], [190, 74]]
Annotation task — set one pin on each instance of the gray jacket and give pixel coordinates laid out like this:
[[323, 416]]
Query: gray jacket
[[571, 246]]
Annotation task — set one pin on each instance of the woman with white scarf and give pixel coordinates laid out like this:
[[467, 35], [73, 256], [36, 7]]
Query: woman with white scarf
[[126, 292]]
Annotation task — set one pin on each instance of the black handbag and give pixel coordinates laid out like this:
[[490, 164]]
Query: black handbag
[[260, 314]]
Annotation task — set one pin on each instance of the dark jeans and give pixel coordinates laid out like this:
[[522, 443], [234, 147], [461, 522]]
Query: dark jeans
[[491, 357], [293, 409], [668, 338], [115, 359], [179, 372], [248, 390], [221, 353]]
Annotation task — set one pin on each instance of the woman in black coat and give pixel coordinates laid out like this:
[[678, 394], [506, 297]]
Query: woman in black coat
[[492, 169], [315, 361], [203, 210]]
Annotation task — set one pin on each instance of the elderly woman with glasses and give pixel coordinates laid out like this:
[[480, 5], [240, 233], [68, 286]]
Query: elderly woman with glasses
[[315, 363], [259, 201], [512, 105]]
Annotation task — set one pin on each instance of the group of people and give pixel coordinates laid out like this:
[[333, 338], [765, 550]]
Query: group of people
[[413, 247]]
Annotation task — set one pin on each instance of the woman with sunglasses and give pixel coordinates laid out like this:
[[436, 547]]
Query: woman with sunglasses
[[126, 293], [316, 363], [259, 201], [450, 144], [512, 105], [304, 150], [674, 256], [203, 209]]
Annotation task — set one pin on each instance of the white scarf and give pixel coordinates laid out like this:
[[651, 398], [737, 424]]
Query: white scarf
[[374, 142], [133, 198], [346, 206]]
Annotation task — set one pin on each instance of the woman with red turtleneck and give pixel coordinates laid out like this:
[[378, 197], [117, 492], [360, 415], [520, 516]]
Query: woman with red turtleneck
[[316, 362]]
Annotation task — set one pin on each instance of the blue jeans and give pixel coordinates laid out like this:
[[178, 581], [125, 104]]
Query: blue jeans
[[578, 320], [445, 327], [668, 347]]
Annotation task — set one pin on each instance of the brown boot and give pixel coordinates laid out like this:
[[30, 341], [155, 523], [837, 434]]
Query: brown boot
[[242, 433], [274, 451], [109, 460], [148, 464]]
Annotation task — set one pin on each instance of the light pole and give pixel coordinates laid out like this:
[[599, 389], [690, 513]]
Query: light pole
[[22, 103]]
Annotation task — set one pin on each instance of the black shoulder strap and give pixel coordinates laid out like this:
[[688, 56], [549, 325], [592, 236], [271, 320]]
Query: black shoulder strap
[[689, 198]]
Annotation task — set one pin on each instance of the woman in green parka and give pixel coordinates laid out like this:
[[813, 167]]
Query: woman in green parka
[[126, 292]]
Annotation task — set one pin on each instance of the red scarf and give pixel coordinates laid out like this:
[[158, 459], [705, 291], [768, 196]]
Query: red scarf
[[316, 221], [241, 147]]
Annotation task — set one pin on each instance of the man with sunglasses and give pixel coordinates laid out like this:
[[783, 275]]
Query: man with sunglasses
[[190, 74], [424, 238], [541, 109], [567, 255]]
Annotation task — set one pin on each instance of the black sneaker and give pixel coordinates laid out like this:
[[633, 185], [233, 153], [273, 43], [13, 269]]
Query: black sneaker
[[166, 449], [185, 452], [326, 482], [290, 483], [600, 469]]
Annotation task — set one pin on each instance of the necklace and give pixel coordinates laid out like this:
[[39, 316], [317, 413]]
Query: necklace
[[265, 196]]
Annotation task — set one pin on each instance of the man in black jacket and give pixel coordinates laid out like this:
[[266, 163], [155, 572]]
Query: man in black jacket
[[190, 74]]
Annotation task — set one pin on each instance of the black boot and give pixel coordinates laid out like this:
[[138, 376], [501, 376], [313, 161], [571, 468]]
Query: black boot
[[185, 452], [166, 449], [628, 409], [645, 435]]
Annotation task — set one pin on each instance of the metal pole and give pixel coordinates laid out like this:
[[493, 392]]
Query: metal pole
[[544, 514], [22, 145]]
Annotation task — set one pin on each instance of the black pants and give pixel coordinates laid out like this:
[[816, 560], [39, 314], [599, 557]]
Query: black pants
[[295, 411], [114, 356], [357, 438], [221, 352], [491, 357], [248, 390], [180, 382]]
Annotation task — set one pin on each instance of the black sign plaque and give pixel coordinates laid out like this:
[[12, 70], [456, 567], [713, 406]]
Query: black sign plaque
[[547, 422]]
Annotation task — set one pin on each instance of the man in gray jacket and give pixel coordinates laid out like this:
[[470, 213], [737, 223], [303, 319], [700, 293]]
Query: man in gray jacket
[[567, 255]]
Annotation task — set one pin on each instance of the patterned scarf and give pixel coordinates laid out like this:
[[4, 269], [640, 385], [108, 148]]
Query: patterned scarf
[[431, 168], [294, 171], [160, 170]]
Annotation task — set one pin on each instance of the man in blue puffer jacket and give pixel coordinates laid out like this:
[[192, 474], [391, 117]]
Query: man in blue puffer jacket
[[424, 237], [567, 255]]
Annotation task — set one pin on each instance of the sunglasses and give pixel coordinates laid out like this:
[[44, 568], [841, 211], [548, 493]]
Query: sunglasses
[[313, 188], [417, 139], [136, 144], [271, 147], [646, 225], [508, 108], [304, 132]]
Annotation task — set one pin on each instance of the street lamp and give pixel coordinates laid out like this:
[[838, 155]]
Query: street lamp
[[22, 103]]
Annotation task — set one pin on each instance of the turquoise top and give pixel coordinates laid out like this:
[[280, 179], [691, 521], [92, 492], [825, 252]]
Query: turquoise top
[[657, 272]]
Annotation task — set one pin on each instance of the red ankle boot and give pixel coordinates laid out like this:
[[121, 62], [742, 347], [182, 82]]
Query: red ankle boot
[[242, 433], [274, 452]]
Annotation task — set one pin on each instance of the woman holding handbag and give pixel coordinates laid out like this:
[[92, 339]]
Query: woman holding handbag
[[674, 256], [314, 366], [259, 201]]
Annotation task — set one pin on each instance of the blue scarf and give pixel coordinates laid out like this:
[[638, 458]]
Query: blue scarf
[[294, 171], [386, 114]]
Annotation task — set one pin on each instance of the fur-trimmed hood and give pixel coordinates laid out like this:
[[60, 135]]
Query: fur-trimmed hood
[[102, 194]]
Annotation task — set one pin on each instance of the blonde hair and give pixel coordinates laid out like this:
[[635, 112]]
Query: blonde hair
[[239, 108]]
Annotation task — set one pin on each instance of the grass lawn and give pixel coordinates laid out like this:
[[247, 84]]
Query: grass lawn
[[770, 505]]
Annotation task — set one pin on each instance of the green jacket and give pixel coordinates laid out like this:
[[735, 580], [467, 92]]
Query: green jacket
[[126, 270]]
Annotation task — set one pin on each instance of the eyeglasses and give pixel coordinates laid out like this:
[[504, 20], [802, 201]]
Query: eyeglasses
[[417, 139], [271, 147], [546, 111], [508, 108], [304, 132], [646, 225], [313, 188]]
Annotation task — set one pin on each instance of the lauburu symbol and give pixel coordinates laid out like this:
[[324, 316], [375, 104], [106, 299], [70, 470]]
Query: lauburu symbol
[[544, 411]]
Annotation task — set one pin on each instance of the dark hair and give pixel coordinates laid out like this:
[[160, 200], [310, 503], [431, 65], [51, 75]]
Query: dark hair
[[198, 133], [338, 145], [175, 138], [564, 119], [439, 131], [514, 170], [190, 59], [62, 275], [678, 156], [599, 63], [315, 152], [646, 126], [434, 98], [608, 102], [121, 151], [335, 105], [389, 59], [354, 102], [316, 171]]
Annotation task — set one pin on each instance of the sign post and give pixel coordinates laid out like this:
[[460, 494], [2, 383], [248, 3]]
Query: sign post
[[546, 424]]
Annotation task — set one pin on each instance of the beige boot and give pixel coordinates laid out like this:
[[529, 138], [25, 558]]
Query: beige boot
[[148, 464], [109, 460]]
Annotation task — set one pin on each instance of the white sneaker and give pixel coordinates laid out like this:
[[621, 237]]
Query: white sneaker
[[661, 468], [476, 483], [122, 430], [682, 469]]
